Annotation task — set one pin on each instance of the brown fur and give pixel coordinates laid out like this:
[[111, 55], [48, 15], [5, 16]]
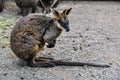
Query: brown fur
[[30, 34], [27, 6], [30, 6]]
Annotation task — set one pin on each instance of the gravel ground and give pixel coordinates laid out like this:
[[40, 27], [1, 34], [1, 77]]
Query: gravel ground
[[94, 37]]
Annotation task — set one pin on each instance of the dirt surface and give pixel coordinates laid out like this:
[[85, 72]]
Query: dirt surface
[[94, 37]]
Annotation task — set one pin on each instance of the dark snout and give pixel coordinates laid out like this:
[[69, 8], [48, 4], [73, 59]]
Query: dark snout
[[65, 25], [51, 45], [67, 30]]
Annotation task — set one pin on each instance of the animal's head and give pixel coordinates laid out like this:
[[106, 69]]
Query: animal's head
[[62, 18]]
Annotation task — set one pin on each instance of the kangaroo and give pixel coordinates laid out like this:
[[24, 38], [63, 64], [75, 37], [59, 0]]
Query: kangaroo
[[30, 34], [27, 6], [47, 4], [1, 5]]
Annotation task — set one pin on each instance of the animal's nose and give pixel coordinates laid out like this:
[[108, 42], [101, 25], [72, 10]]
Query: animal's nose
[[67, 30], [51, 45]]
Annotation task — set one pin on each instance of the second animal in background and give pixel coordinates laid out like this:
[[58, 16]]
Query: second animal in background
[[27, 6], [30, 6]]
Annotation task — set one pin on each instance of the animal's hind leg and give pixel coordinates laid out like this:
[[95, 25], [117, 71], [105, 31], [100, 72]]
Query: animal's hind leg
[[38, 59], [33, 63]]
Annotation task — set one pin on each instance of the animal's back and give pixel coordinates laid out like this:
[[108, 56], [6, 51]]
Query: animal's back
[[27, 6], [26, 3], [26, 37]]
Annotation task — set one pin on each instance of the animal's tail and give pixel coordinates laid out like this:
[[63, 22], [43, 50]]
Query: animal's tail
[[66, 63]]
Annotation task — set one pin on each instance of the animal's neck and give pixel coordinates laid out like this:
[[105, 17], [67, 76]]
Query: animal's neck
[[57, 25], [53, 25], [53, 30]]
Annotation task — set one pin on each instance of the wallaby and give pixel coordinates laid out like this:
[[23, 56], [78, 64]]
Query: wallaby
[[27, 6], [30, 6], [1, 5], [47, 4], [30, 34]]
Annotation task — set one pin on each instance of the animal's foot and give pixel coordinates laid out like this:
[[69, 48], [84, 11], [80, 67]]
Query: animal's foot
[[43, 59]]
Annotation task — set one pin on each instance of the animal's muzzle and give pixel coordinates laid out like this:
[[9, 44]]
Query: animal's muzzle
[[51, 45], [67, 30]]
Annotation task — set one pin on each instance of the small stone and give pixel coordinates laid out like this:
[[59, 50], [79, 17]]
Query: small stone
[[74, 48], [86, 36], [73, 41], [49, 53], [81, 48], [92, 75], [108, 38], [81, 36], [79, 74], [5, 74], [87, 29], [88, 45], [22, 78], [33, 74]]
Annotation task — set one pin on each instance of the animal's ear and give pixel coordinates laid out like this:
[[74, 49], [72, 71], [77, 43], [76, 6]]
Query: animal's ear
[[64, 11], [56, 13], [67, 11]]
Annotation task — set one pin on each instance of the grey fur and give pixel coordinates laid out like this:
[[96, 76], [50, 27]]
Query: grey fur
[[31, 33], [27, 6]]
